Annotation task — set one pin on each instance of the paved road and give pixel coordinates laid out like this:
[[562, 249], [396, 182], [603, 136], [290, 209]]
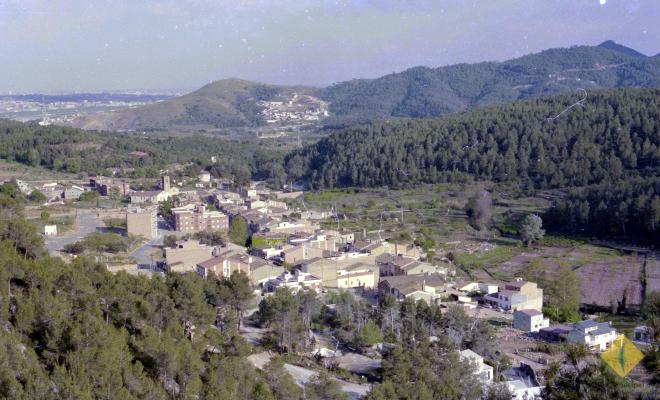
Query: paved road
[[86, 222], [142, 254]]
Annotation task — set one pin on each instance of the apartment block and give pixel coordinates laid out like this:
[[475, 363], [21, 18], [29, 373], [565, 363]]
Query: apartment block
[[142, 222], [192, 219]]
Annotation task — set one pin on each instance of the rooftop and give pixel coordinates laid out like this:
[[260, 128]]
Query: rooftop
[[530, 312]]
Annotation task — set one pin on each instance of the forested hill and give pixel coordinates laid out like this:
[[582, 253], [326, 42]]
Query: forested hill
[[432, 92], [615, 135]]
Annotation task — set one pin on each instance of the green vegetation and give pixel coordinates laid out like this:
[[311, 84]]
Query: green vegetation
[[73, 150], [432, 92], [101, 243], [115, 223], [624, 208], [89, 196], [531, 229], [611, 142], [77, 331], [260, 242], [238, 231], [561, 290]]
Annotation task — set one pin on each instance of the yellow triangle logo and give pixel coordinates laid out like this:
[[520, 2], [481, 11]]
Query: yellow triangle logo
[[623, 356]]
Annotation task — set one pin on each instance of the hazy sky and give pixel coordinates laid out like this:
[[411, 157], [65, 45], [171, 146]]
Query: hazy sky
[[88, 45]]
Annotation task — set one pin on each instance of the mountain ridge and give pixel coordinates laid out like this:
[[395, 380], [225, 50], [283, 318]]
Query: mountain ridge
[[417, 92]]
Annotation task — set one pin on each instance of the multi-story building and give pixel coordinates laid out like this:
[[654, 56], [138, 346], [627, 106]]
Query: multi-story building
[[142, 222], [358, 276], [193, 218], [224, 265], [518, 295], [392, 265], [418, 287], [73, 192], [295, 254], [294, 282], [185, 256], [149, 196], [103, 185], [483, 371], [529, 320], [595, 335]]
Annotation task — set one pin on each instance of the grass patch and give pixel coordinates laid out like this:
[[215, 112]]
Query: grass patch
[[498, 255]]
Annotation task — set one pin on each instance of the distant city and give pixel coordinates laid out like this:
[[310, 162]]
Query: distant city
[[63, 108]]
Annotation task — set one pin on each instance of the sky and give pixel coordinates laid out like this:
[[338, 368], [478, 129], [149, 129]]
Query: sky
[[94, 45]]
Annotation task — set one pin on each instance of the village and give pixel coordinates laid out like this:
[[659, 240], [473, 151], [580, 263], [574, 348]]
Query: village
[[284, 246]]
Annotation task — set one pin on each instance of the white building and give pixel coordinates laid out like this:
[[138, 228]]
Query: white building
[[204, 176], [597, 336], [294, 281], [73, 192], [522, 382], [517, 295], [149, 196], [529, 320], [50, 230], [484, 371]]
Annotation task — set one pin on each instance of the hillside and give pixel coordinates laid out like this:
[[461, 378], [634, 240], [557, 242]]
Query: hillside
[[431, 92], [221, 104], [611, 140], [417, 93], [615, 134]]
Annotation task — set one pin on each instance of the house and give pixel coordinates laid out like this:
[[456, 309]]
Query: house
[[483, 371], [204, 177], [224, 265], [142, 222], [643, 334], [358, 275], [328, 268], [294, 282], [488, 288], [262, 273], [247, 192], [50, 230], [104, 185], [73, 192], [407, 249], [595, 335], [460, 297], [392, 265], [418, 287], [522, 382], [315, 215], [373, 248], [466, 286], [52, 191], [517, 295], [294, 255], [529, 320], [266, 252], [149, 196], [290, 227], [255, 204], [185, 255]]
